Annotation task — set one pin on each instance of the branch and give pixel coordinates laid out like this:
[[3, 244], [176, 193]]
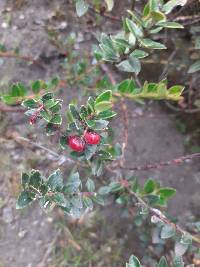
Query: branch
[[161, 164], [161, 216], [104, 14], [25, 58]]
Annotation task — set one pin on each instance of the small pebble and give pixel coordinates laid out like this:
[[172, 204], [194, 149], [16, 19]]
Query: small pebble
[[4, 25]]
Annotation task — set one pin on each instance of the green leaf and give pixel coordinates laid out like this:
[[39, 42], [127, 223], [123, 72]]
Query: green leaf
[[81, 7], [36, 86], [25, 179], [154, 5], [167, 231], [178, 261], [172, 25], [90, 185], [50, 103], [30, 103], [158, 16], [139, 53], [46, 97], [18, 90], [90, 104], [167, 8], [23, 200], [73, 183], [146, 10], [57, 119], [90, 151], [127, 86], [50, 129], [162, 262], [35, 179], [148, 43], [176, 90], [133, 28], [45, 115], [59, 199], [87, 202], [55, 181], [74, 111], [105, 96], [149, 186], [107, 114], [134, 262], [63, 142], [102, 106], [100, 124], [194, 67], [104, 190], [167, 192], [130, 65]]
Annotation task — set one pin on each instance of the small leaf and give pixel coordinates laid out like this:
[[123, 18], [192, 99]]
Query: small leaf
[[57, 119], [35, 179], [148, 43], [167, 231], [74, 111], [130, 65], [50, 103], [45, 115], [194, 67], [134, 262], [81, 7], [127, 86], [167, 8], [90, 185], [168, 24], [107, 114], [46, 97], [104, 190], [158, 16], [59, 199], [55, 181], [102, 106], [178, 261], [167, 192], [149, 186], [176, 90], [133, 28], [36, 86], [30, 103], [105, 96], [23, 200], [25, 179], [73, 183], [139, 53], [162, 262]]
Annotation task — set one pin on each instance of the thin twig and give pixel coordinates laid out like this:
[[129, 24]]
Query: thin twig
[[158, 214], [25, 58], [165, 69], [161, 164], [59, 157], [104, 14]]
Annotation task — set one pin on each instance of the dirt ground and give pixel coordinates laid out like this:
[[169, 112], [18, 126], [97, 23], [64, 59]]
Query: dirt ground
[[25, 236]]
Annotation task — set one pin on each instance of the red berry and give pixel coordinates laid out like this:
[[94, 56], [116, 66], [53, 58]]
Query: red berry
[[92, 138], [76, 143]]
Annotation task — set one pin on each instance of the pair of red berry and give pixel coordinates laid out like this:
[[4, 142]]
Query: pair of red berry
[[78, 143]]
